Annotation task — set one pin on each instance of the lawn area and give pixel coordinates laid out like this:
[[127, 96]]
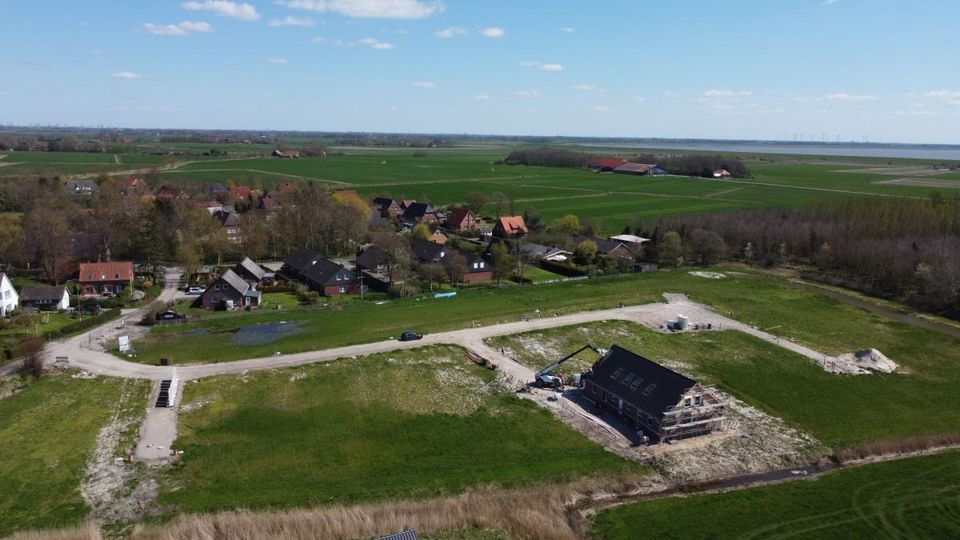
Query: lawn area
[[48, 430], [840, 411], [538, 275], [910, 498], [362, 322], [411, 424]]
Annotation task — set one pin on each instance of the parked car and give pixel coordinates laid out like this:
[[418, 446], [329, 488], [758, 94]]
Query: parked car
[[410, 336], [195, 290]]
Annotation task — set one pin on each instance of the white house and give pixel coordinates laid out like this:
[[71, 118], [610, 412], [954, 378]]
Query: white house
[[9, 299]]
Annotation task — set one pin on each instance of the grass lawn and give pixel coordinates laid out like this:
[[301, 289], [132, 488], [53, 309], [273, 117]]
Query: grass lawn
[[538, 275], [354, 322], [414, 424], [48, 430], [911, 498], [840, 411]]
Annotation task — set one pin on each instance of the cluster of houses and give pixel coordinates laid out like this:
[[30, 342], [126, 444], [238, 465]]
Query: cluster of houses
[[93, 279]]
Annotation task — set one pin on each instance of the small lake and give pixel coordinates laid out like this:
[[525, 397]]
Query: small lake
[[262, 334]]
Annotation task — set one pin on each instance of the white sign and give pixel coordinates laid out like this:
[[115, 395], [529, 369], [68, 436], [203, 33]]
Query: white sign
[[124, 343]]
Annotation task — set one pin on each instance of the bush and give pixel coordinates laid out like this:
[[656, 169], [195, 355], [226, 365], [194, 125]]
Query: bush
[[82, 325]]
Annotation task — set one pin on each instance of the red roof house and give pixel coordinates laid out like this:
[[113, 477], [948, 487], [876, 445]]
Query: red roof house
[[462, 219], [510, 227], [105, 277], [606, 164]]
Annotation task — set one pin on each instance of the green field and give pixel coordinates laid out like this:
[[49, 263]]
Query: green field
[[911, 498], [48, 430], [445, 177], [411, 424], [846, 411]]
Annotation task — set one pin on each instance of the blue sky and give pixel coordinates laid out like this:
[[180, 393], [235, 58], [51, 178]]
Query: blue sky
[[882, 69]]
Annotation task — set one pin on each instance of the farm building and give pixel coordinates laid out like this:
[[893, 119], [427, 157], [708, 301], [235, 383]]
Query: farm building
[[230, 291], [45, 298], [606, 164], [721, 173], [657, 400], [639, 169], [9, 299], [105, 277], [286, 154], [319, 274]]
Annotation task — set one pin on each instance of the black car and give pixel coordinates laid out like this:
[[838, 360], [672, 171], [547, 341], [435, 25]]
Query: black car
[[410, 336]]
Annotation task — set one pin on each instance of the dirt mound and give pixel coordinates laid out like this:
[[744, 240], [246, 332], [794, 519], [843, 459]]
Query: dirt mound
[[708, 275], [871, 359]]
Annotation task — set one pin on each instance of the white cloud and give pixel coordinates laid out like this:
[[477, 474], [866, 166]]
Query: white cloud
[[600, 108], [639, 99], [225, 8], [915, 112], [494, 32], [452, 31], [943, 94], [128, 75], [482, 97], [532, 94], [828, 2], [844, 97], [319, 39], [290, 20], [568, 29], [671, 94], [425, 85], [551, 67], [180, 29], [370, 9], [726, 93], [584, 87], [280, 61], [375, 43], [98, 52]]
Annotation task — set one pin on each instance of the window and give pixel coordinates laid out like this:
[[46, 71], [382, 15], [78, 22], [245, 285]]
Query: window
[[343, 289], [686, 402], [698, 400]]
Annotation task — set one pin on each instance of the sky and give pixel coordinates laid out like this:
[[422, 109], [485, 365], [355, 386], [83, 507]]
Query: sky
[[812, 70]]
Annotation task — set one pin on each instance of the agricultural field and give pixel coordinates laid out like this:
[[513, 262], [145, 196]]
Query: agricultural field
[[910, 498], [49, 431], [409, 424]]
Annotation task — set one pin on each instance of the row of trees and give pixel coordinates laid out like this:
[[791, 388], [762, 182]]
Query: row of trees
[[897, 248], [695, 165]]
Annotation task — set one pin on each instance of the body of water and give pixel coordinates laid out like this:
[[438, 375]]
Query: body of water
[[937, 153]]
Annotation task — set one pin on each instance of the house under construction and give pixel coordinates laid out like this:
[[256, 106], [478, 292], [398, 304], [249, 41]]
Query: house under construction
[[658, 401]]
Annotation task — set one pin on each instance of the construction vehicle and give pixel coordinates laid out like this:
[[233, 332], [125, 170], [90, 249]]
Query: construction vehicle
[[545, 378]]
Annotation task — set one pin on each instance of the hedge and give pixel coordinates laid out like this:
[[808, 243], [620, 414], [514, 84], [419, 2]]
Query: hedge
[[83, 324]]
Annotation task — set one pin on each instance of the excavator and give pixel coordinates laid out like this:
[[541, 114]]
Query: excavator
[[545, 377]]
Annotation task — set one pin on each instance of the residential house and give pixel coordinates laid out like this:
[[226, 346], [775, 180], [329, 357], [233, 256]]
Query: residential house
[[9, 299], [285, 187], [428, 252], [215, 189], [631, 239], [272, 202], [606, 164], [251, 271], [375, 265], [437, 236], [286, 154], [462, 219], [655, 399], [539, 252], [639, 169], [230, 291], [45, 298], [609, 249], [241, 192], [82, 188], [419, 213], [167, 193], [407, 203], [105, 277], [136, 188], [321, 275], [387, 207], [212, 206], [510, 227], [230, 222]]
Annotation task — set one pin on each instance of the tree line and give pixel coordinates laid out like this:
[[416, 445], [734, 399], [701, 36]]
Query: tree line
[[683, 165], [902, 249]]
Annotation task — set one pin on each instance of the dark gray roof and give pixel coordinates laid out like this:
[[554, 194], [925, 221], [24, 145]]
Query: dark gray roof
[[33, 293], [426, 251], [253, 269], [235, 281], [603, 246], [416, 211], [645, 384], [372, 257], [311, 266]]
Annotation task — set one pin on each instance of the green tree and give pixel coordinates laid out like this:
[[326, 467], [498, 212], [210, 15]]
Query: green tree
[[476, 201], [503, 263], [585, 252], [421, 232], [568, 224], [670, 249], [707, 246]]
